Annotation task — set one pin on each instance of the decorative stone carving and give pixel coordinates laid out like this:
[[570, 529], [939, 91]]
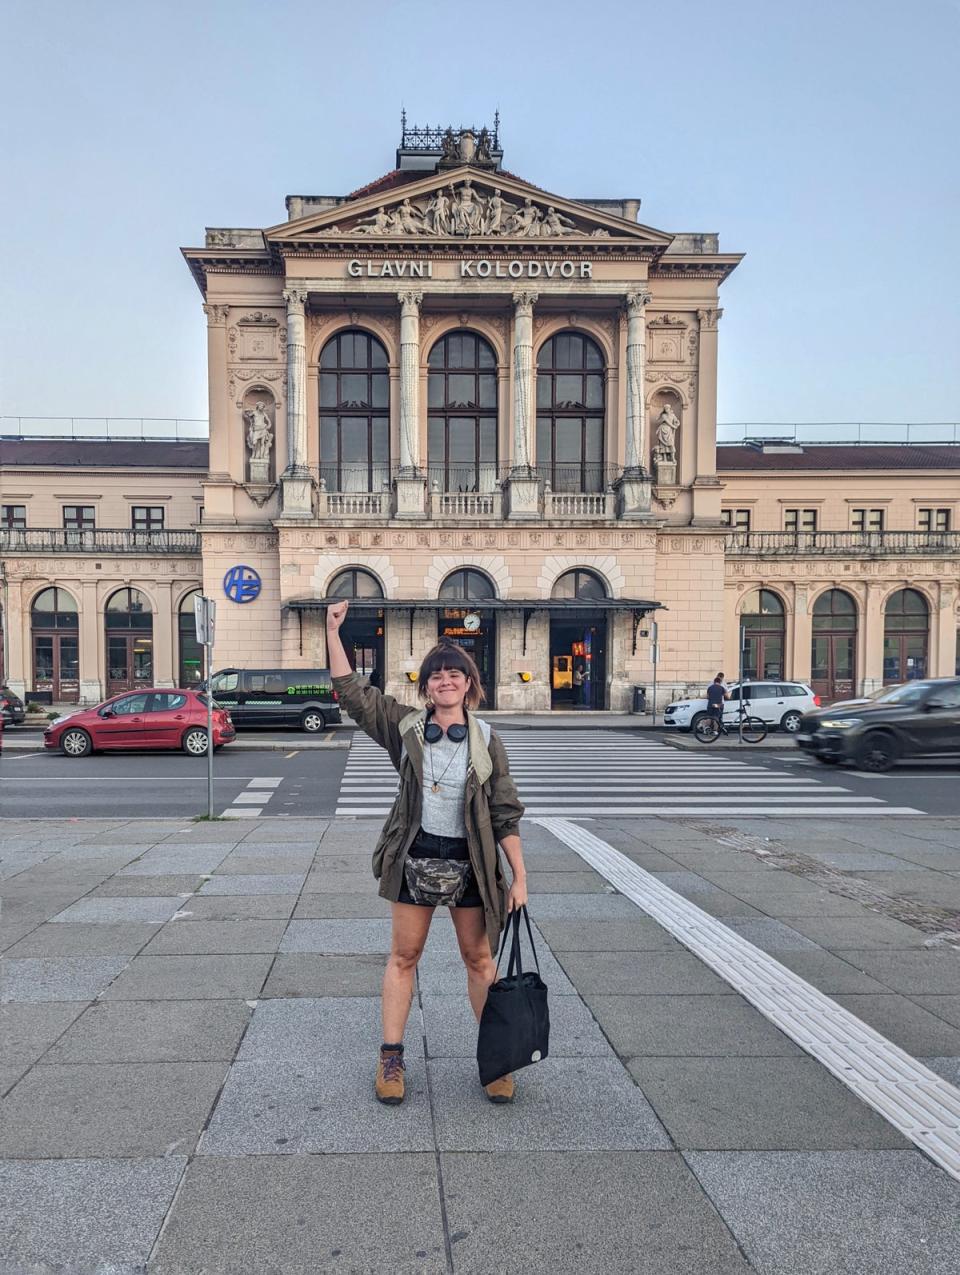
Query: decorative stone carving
[[636, 341], [216, 315], [461, 211], [709, 319], [259, 438]]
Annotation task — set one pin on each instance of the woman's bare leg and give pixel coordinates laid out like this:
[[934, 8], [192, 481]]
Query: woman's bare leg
[[411, 925], [471, 928]]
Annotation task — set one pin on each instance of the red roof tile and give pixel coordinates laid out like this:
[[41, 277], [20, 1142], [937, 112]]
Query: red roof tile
[[389, 181], [841, 457]]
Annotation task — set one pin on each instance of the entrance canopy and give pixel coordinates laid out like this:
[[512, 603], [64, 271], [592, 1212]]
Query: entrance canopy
[[556, 608]]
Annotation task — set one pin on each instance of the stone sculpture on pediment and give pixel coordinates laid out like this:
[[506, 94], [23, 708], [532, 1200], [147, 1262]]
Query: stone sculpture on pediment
[[555, 225], [467, 209], [378, 224]]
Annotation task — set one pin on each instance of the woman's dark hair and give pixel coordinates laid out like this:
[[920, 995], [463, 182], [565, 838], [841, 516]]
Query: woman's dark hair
[[447, 655]]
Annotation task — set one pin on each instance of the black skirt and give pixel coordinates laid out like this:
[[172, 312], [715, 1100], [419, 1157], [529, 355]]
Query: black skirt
[[428, 845]]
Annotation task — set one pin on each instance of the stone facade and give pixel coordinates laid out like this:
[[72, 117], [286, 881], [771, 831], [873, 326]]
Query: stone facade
[[654, 513]]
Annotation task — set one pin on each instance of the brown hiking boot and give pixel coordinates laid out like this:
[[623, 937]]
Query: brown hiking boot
[[500, 1090], [389, 1084]]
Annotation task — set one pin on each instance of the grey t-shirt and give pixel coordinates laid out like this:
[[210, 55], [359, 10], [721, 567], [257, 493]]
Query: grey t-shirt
[[443, 811]]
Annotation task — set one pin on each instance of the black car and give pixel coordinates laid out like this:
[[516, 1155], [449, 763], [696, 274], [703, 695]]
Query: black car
[[302, 697], [915, 719], [11, 707]]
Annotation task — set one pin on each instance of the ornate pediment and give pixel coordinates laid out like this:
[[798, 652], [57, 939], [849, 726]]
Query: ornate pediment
[[466, 205]]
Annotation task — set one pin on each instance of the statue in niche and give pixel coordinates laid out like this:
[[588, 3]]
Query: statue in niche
[[259, 441], [667, 426]]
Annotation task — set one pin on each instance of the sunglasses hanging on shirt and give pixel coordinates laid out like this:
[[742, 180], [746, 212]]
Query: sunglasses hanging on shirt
[[433, 733]]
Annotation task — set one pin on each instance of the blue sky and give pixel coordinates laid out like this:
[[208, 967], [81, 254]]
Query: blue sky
[[818, 138]]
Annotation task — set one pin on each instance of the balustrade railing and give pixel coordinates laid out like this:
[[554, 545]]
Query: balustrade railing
[[841, 543], [96, 540]]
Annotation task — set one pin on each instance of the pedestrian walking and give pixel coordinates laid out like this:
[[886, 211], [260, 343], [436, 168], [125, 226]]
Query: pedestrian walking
[[717, 693], [438, 847]]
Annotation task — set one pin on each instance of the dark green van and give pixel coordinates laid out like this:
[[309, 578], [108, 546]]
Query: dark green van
[[302, 697]]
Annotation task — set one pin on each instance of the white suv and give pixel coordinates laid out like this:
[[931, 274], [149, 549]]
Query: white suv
[[780, 704]]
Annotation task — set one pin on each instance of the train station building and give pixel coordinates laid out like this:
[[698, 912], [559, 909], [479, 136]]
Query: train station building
[[484, 411]]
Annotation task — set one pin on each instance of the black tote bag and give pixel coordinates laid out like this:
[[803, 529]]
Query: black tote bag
[[515, 1024]]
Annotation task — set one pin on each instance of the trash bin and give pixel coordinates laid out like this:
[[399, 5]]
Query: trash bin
[[639, 699]]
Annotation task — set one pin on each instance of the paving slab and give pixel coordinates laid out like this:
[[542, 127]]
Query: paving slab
[[334, 907], [117, 887], [583, 907], [641, 934], [443, 973], [152, 1031], [451, 1028], [307, 1107], [830, 973], [566, 1212], [542, 882], [264, 864], [855, 861], [322, 882], [930, 972], [945, 1007], [907, 1024], [923, 884], [192, 978], [706, 894], [280, 1215], [59, 978], [254, 883], [84, 1215], [151, 909], [309, 974], [317, 1029], [186, 937], [836, 1212], [769, 935], [632, 973], [237, 907], [115, 1109], [759, 1104], [697, 1026], [869, 931], [576, 1104], [176, 859], [264, 843], [948, 1068], [27, 1031], [83, 939]]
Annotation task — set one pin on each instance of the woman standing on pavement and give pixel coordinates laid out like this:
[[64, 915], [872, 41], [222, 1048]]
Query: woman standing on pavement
[[456, 802]]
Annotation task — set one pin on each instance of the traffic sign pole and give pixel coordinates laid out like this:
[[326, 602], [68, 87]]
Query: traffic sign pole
[[655, 656], [205, 612]]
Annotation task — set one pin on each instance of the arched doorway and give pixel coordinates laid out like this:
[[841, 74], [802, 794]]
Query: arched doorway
[[462, 417], [906, 624], [833, 656], [362, 631], [129, 631], [571, 379], [55, 631], [469, 620], [189, 650], [354, 413], [762, 619], [578, 642]]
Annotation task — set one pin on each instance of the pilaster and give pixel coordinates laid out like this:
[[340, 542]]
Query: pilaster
[[297, 501], [523, 484], [706, 485]]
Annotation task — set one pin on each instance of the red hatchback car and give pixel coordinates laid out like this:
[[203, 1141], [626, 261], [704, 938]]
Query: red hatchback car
[[141, 719]]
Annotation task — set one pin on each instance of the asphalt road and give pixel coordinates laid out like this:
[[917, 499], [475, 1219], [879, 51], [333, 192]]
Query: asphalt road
[[307, 783]]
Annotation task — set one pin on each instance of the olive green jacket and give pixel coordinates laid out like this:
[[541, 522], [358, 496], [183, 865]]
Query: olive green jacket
[[492, 809]]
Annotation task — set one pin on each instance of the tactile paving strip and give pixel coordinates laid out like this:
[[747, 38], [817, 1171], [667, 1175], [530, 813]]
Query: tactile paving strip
[[914, 1099]]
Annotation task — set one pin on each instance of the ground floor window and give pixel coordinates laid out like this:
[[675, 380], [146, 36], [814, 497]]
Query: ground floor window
[[762, 622], [54, 624], [190, 651], [906, 621], [129, 638], [833, 655]]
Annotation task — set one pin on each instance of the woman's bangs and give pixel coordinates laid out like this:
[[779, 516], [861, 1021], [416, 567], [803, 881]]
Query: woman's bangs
[[449, 658]]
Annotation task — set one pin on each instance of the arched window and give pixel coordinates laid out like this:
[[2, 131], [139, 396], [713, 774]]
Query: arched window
[[906, 623], [129, 625], [467, 585], [762, 619], [190, 651], [833, 655], [579, 583], [55, 624], [570, 413], [354, 583], [462, 422], [354, 413]]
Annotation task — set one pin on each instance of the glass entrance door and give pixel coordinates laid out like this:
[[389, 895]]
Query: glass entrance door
[[578, 664], [56, 666], [833, 666], [129, 662]]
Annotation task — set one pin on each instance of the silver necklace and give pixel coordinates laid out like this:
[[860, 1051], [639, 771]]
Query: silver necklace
[[436, 781]]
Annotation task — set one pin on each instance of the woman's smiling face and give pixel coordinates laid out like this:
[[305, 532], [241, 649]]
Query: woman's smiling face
[[448, 687]]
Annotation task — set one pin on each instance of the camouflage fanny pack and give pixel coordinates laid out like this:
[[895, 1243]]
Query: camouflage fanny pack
[[436, 883]]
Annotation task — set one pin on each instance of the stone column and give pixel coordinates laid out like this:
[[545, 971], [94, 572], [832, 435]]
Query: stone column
[[802, 636], [524, 486], [636, 441], [411, 484], [295, 480], [218, 485], [93, 643], [706, 485], [633, 486]]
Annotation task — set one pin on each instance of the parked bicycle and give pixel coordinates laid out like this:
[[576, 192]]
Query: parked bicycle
[[750, 729]]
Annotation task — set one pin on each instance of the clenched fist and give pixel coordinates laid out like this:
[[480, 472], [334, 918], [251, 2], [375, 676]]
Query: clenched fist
[[336, 615]]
